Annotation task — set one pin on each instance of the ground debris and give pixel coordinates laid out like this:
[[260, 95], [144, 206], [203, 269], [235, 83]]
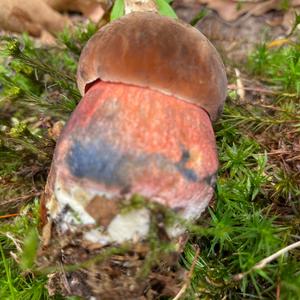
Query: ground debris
[[109, 272], [237, 36], [230, 10]]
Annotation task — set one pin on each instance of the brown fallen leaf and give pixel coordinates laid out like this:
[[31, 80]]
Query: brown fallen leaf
[[237, 39], [92, 9], [278, 43], [30, 16], [231, 10], [228, 10], [44, 18], [55, 131]]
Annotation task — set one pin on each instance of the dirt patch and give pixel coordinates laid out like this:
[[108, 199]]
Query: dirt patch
[[133, 271], [238, 38]]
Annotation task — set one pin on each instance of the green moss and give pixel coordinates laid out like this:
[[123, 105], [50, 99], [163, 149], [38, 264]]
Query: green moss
[[16, 284], [278, 67], [257, 193], [37, 88]]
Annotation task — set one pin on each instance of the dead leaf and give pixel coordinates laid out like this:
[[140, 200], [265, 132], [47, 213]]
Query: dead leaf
[[231, 10], [44, 18], [92, 9], [46, 234], [278, 43], [236, 40], [30, 16], [228, 10], [56, 130]]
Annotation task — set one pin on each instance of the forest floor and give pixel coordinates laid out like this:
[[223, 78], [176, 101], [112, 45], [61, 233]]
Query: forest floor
[[256, 209]]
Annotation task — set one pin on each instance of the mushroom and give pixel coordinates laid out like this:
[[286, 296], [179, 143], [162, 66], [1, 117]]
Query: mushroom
[[151, 87]]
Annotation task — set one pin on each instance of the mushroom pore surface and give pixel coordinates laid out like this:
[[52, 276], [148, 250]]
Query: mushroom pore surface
[[149, 50]]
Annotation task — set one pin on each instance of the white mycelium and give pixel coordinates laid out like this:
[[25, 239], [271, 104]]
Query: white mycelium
[[68, 211], [131, 225], [67, 208]]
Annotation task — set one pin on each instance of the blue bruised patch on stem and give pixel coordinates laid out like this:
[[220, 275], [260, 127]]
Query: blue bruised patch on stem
[[102, 162]]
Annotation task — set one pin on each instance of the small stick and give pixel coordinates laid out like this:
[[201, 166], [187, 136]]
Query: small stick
[[65, 280], [260, 265], [21, 198], [240, 86], [252, 89], [278, 290], [15, 241], [188, 279], [14, 256], [9, 216], [278, 43]]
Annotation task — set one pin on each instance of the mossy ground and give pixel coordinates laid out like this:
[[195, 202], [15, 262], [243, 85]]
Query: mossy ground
[[256, 210]]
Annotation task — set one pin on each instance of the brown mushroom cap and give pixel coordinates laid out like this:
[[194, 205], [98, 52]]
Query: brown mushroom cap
[[149, 50]]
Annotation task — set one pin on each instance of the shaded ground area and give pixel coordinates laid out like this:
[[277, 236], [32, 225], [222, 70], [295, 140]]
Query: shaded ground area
[[236, 38], [256, 210]]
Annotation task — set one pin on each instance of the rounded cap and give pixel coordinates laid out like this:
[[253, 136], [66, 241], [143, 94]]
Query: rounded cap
[[149, 50]]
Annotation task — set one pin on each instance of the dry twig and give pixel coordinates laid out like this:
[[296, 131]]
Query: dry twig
[[240, 86], [260, 265], [16, 242], [8, 216], [188, 278], [19, 199]]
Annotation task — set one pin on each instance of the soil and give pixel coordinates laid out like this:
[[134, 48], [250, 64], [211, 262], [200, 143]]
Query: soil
[[87, 270], [236, 39]]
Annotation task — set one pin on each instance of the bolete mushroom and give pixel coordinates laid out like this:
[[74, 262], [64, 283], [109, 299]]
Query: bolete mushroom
[[151, 87]]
